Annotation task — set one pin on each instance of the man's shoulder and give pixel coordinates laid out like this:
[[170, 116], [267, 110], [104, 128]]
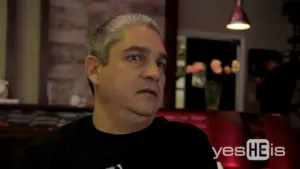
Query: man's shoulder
[[59, 137], [45, 151], [187, 139], [181, 130], [75, 127]]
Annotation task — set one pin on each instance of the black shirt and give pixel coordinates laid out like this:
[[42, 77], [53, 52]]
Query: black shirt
[[79, 145]]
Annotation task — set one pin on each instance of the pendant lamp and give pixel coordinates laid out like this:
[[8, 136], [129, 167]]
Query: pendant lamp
[[239, 19]]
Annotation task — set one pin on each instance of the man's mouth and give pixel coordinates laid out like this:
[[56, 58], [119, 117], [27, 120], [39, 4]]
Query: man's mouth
[[148, 91]]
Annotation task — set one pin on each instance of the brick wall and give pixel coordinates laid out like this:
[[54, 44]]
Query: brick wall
[[70, 22]]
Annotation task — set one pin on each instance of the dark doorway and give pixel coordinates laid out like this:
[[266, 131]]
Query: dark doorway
[[205, 50]]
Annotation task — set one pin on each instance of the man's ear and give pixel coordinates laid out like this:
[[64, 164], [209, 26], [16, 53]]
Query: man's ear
[[91, 64]]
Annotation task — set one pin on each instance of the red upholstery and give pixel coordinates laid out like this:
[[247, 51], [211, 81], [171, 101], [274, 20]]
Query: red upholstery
[[221, 132], [279, 133], [226, 129]]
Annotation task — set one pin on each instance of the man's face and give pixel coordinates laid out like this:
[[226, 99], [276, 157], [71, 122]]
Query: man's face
[[134, 77]]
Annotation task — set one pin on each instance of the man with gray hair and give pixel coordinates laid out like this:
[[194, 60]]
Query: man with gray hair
[[126, 71]]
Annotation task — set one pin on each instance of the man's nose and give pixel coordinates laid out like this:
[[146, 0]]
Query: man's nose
[[152, 72]]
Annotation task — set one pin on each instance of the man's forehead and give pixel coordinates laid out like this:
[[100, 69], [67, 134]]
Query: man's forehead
[[143, 37], [142, 29], [144, 46]]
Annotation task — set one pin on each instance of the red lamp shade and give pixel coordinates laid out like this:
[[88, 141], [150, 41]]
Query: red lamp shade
[[239, 20]]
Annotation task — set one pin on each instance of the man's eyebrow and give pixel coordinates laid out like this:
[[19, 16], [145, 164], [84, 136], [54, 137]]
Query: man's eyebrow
[[137, 48], [145, 50], [163, 56]]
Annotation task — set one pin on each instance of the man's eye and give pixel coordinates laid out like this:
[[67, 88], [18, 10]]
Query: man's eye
[[134, 58], [161, 65]]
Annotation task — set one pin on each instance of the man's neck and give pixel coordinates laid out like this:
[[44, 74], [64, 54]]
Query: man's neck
[[113, 121]]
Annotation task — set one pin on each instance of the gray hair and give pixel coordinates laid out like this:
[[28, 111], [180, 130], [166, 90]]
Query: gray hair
[[110, 32]]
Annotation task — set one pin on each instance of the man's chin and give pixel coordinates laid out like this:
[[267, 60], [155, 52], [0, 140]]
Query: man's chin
[[145, 112]]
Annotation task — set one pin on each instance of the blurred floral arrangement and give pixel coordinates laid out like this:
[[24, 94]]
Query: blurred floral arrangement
[[198, 70], [216, 67], [212, 88]]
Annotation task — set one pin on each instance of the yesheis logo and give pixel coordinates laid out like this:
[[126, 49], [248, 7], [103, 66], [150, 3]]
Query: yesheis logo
[[255, 150]]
